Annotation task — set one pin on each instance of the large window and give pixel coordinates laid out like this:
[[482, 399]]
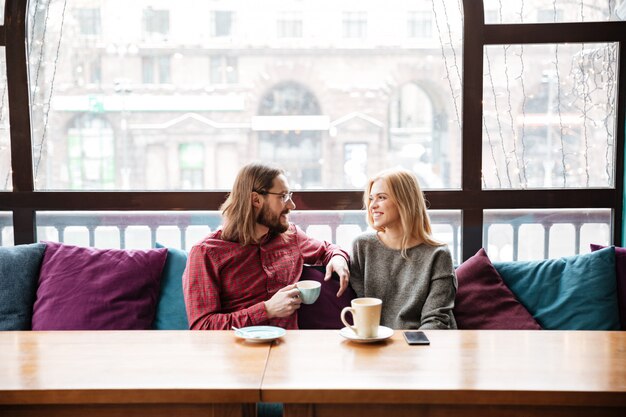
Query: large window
[[551, 11], [550, 124], [515, 132], [228, 87]]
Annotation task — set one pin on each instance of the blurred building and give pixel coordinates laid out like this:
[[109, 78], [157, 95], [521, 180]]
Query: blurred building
[[164, 95], [178, 95]]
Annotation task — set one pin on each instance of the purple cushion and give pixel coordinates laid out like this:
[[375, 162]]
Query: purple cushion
[[483, 301], [97, 289], [620, 274], [325, 312]]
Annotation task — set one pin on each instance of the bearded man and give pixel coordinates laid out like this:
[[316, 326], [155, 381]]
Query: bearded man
[[244, 274]]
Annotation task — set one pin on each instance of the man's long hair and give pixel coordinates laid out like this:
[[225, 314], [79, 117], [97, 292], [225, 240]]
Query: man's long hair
[[237, 211], [405, 191]]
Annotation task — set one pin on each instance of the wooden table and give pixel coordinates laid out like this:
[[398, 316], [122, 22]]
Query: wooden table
[[129, 373], [462, 373]]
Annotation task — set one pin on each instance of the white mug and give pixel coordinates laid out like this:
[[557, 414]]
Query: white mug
[[366, 316], [309, 290]]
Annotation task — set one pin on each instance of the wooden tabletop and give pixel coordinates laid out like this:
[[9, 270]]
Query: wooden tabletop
[[459, 367], [129, 367]]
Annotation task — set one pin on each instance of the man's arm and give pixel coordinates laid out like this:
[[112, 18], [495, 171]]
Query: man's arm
[[201, 289]]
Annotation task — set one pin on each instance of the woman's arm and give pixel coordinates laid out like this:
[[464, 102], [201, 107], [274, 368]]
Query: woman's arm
[[437, 309]]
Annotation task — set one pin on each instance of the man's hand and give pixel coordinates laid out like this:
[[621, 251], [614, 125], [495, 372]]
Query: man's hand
[[284, 302], [339, 265]]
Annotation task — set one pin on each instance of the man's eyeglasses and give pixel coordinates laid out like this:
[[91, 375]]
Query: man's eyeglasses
[[284, 197]]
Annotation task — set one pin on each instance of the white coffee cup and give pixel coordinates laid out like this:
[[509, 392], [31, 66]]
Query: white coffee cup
[[366, 316], [309, 290]]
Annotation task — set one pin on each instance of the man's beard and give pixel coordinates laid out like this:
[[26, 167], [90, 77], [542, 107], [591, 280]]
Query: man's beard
[[272, 221]]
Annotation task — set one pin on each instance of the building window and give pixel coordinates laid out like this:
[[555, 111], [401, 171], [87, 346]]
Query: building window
[[297, 151], [88, 71], [91, 154], [95, 71], [156, 23], [420, 25], [88, 21], [156, 69], [224, 70], [289, 25], [191, 164], [354, 24], [222, 23]]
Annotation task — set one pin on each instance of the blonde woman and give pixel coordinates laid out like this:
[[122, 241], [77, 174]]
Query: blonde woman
[[400, 262]]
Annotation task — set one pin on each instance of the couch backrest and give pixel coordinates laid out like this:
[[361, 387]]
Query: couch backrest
[[571, 293]]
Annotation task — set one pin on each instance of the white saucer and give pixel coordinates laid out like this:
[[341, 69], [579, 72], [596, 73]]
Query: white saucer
[[383, 333], [260, 334]]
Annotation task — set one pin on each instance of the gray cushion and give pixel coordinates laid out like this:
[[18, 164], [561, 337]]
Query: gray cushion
[[19, 274]]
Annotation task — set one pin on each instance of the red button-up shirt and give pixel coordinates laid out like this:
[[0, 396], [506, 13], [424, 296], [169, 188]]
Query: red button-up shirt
[[225, 284]]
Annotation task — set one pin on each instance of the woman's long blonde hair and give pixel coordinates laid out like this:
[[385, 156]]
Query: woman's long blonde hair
[[404, 190], [237, 211]]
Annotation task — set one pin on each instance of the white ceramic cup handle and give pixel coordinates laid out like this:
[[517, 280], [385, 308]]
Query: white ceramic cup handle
[[343, 317]]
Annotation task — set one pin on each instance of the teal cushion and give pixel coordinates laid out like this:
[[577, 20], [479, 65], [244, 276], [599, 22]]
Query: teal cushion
[[170, 312], [269, 409], [19, 274], [572, 293]]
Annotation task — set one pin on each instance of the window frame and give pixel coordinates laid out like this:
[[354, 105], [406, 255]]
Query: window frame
[[23, 201]]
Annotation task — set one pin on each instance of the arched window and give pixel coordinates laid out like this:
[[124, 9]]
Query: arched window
[[297, 151], [412, 140]]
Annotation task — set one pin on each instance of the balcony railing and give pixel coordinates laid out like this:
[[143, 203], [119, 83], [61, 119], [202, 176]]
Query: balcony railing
[[335, 226]]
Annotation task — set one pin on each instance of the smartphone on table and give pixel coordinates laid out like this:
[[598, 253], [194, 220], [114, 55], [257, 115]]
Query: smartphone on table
[[416, 337]]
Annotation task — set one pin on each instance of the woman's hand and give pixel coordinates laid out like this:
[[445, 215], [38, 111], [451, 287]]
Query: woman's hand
[[339, 265]]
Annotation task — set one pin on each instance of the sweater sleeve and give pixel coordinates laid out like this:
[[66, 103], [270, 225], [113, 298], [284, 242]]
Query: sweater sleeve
[[437, 310]]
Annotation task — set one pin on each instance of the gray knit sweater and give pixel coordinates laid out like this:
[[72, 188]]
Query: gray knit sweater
[[417, 293]]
